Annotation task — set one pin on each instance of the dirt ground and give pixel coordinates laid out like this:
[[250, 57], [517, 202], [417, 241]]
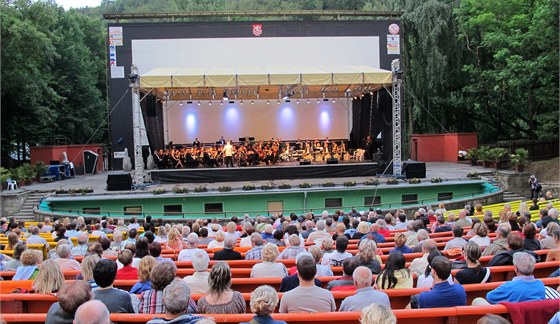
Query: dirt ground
[[546, 171]]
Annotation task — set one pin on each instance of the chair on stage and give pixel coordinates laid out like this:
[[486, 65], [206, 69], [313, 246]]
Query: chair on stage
[[11, 184], [359, 154]]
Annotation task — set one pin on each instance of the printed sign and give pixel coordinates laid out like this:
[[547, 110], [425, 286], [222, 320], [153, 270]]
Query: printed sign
[[116, 35], [394, 29], [257, 29], [393, 45], [112, 55], [119, 155]]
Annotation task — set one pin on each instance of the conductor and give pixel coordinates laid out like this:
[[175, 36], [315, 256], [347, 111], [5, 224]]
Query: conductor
[[228, 154]]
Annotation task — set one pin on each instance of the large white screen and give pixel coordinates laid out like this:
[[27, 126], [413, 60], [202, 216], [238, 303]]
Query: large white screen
[[255, 52], [287, 121]]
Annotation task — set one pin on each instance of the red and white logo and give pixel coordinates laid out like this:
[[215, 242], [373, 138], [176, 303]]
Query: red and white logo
[[257, 29]]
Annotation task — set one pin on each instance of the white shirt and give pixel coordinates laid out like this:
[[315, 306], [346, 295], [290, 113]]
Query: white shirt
[[187, 254], [228, 150]]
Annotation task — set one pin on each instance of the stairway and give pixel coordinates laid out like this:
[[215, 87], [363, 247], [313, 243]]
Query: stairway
[[25, 213], [508, 195]]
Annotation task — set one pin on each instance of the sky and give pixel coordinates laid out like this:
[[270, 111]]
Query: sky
[[67, 4]]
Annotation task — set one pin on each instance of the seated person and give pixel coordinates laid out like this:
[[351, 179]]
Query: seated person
[[127, 272], [442, 294], [92, 311], [514, 243], [228, 253], [176, 298], [523, 287], [116, 300], [264, 300], [70, 297], [346, 282], [365, 294], [307, 297], [198, 281], [290, 282]]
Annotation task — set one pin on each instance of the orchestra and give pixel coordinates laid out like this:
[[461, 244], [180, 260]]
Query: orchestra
[[248, 153]]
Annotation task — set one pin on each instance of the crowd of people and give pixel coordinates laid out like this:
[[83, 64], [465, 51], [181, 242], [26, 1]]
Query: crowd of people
[[91, 297]]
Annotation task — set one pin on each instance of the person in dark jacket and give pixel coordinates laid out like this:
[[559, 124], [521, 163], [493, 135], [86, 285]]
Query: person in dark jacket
[[228, 253], [514, 244]]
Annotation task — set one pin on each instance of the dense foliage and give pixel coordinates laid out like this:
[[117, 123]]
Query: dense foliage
[[485, 66]]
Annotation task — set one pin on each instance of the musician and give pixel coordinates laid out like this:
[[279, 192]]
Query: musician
[[227, 151], [298, 146], [196, 143], [221, 141]]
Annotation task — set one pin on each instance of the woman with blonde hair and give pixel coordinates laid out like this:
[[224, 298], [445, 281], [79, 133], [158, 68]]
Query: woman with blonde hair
[[269, 268], [231, 230], [144, 270], [361, 230], [221, 299], [175, 241], [30, 261], [367, 256], [400, 244], [88, 263], [117, 240], [264, 300], [49, 279], [481, 238], [218, 241], [161, 236], [378, 314]]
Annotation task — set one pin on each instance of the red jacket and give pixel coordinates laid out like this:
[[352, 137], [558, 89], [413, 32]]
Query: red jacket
[[127, 272]]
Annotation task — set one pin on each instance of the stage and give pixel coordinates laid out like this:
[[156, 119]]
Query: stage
[[282, 171]]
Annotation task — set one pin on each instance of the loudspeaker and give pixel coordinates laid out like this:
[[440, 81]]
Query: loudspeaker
[[414, 169], [119, 181], [305, 162], [332, 161]]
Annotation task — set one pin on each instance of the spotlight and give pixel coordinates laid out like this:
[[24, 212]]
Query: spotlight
[[221, 103], [209, 103], [308, 101], [241, 102], [278, 102], [252, 102], [333, 100], [180, 103], [225, 96], [318, 101], [297, 101], [268, 102], [198, 103]]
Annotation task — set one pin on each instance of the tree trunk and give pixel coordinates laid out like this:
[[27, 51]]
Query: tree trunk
[[532, 111]]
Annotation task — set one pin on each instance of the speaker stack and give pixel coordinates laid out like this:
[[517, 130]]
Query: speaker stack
[[414, 169], [119, 181]]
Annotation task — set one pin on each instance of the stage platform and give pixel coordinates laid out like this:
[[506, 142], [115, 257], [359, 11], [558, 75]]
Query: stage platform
[[260, 173]]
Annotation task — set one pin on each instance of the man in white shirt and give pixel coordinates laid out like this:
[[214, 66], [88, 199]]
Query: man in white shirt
[[228, 154], [320, 234], [34, 238], [307, 297], [198, 282], [192, 243], [419, 265]]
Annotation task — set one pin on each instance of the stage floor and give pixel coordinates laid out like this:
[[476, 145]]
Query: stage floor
[[280, 171]]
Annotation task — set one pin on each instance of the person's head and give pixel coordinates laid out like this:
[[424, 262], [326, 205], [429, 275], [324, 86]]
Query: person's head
[[327, 243], [219, 279], [173, 235], [200, 261], [422, 235], [514, 241], [104, 273], [550, 228], [270, 252], [362, 277], [363, 227], [395, 261], [293, 240], [92, 312], [492, 319], [278, 234], [132, 233], [256, 239], [428, 246], [306, 268], [63, 250], [367, 249], [13, 239], [117, 236], [400, 239], [481, 230], [21, 247], [316, 253], [34, 230], [145, 268], [523, 263], [176, 297], [529, 230], [192, 240], [377, 314], [341, 243], [203, 232], [88, 263], [162, 274], [441, 220], [49, 279], [349, 265], [31, 257], [229, 242], [502, 231], [74, 294], [125, 257], [155, 249], [105, 243], [142, 247], [321, 225], [230, 227], [472, 252], [553, 212], [264, 300], [441, 267]]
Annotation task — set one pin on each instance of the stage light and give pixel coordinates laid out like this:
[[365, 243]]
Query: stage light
[[278, 102], [198, 103], [287, 100], [326, 99], [268, 102], [231, 101], [252, 102], [333, 100], [209, 103], [297, 101], [180, 103], [241, 102], [189, 102], [318, 101], [221, 103], [225, 96], [308, 101]]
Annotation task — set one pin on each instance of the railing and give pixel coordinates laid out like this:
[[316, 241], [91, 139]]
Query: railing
[[299, 211]]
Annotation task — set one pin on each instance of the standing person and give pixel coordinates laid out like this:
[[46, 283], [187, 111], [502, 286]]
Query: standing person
[[228, 154], [535, 187]]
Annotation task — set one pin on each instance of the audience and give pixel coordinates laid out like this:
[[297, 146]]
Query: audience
[[29, 269], [49, 279], [365, 294], [418, 265], [70, 297], [346, 281], [116, 300], [367, 255], [322, 270], [146, 265], [474, 272], [336, 258], [307, 297], [395, 275], [264, 300], [192, 248], [227, 253], [400, 244], [378, 314], [64, 259], [88, 263], [499, 244], [256, 252], [92, 312], [530, 242], [176, 297], [198, 281], [151, 301], [457, 241], [269, 268], [15, 262], [514, 243], [481, 238], [221, 299], [127, 272]]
